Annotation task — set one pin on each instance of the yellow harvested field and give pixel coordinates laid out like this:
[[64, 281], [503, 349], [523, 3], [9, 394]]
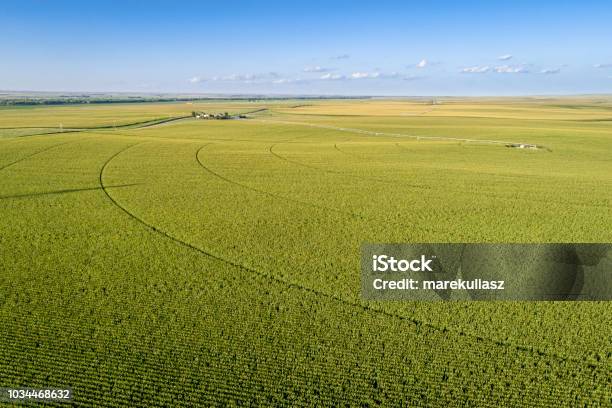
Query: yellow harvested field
[[545, 108]]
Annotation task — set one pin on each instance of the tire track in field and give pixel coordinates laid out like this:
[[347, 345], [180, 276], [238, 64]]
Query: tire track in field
[[363, 308], [342, 151], [340, 173], [208, 169], [337, 147], [34, 154]]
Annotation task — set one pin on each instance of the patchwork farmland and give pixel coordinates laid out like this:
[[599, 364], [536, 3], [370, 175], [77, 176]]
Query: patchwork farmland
[[147, 260]]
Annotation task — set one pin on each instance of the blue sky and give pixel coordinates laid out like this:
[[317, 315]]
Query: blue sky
[[314, 47]]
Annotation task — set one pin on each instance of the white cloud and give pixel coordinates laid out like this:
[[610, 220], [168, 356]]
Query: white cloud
[[277, 79], [246, 78], [602, 66], [379, 75], [505, 57], [341, 56], [550, 71], [422, 64], [478, 69], [317, 69], [500, 69], [511, 69], [362, 75], [365, 75], [332, 77], [234, 77], [281, 81]]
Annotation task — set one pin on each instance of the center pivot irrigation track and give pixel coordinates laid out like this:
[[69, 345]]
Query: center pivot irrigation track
[[340, 173], [208, 169], [402, 135], [284, 283], [34, 154]]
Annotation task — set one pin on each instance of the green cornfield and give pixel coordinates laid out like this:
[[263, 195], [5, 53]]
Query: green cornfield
[[151, 259]]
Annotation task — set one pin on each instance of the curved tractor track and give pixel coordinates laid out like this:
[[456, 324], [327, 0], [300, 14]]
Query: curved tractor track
[[267, 193], [339, 173]]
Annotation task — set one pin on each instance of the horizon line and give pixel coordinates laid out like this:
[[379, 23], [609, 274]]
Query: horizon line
[[298, 95]]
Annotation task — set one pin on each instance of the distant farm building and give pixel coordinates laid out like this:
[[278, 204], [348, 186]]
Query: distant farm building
[[219, 116], [522, 146], [204, 115]]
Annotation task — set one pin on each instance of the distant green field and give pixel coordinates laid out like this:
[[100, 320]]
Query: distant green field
[[217, 262]]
